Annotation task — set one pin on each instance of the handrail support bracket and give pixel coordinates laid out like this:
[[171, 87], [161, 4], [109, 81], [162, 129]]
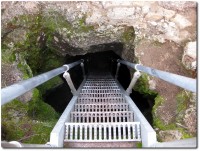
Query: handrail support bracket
[[136, 76], [67, 77]]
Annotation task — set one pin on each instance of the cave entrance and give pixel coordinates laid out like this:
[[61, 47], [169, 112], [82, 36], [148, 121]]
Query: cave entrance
[[98, 62]]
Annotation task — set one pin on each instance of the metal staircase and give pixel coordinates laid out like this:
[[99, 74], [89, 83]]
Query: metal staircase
[[100, 111], [101, 114]]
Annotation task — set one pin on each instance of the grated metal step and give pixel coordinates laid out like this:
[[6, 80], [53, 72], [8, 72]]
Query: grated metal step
[[100, 84], [101, 132], [102, 117], [100, 87], [100, 90], [95, 100], [101, 79], [101, 95], [103, 107]]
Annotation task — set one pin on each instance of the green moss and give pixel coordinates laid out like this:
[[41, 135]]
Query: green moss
[[157, 43], [139, 145], [182, 101], [182, 98], [157, 122], [50, 84], [7, 54], [40, 110], [11, 121], [142, 86], [28, 122], [128, 35], [25, 69], [82, 27]]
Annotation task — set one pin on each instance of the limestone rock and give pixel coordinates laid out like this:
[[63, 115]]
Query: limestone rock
[[152, 84], [181, 21], [121, 13], [170, 135], [177, 5], [190, 120], [153, 16], [189, 56]]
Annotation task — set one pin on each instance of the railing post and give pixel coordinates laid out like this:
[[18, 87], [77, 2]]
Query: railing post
[[117, 71], [137, 74], [83, 69], [67, 77]]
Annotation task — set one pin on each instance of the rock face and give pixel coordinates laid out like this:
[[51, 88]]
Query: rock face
[[159, 21], [170, 135], [189, 56]]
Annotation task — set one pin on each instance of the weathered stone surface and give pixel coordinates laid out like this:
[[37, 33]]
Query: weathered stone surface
[[189, 56], [181, 21], [10, 75], [178, 5], [153, 16], [190, 119], [152, 84], [170, 135], [121, 13]]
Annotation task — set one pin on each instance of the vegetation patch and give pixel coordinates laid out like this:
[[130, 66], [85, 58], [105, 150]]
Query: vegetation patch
[[142, 86], [182, 104], [128, 35], [54, 82], [28, 122]]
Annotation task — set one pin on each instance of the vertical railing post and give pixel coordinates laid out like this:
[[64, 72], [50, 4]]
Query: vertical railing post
[[67, 77], [136, 75], [117, 71], [83, 69]]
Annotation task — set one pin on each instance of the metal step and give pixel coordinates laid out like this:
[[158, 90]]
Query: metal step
[[100, 90], [101, 95], [103, 79], [102, 117], [103, 107], [100, 87], [102, 132], [95, 100], [100, 84]]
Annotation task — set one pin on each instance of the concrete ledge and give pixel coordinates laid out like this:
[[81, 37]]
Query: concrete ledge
[[184, 143]]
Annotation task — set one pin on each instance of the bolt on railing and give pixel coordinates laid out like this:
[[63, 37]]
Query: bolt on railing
[[181, 81], [11, 92]]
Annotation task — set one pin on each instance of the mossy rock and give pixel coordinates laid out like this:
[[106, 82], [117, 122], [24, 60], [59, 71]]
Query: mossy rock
[[54, 82], [142, 86], [19, 123], [128, 35]]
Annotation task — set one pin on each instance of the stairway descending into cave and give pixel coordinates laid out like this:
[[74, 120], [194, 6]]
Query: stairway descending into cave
[[101, 116]]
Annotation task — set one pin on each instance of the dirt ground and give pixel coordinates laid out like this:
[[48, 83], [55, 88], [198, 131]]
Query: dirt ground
[[166, 57]]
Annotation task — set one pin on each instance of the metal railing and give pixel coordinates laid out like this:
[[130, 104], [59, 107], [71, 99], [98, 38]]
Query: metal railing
[[11, 92], [181, 81]]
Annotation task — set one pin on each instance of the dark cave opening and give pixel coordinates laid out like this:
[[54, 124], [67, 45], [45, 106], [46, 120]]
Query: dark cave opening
[[105, 61]]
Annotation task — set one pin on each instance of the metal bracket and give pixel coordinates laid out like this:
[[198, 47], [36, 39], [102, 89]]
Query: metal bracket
[[137, 74], [67, 77], [117, 71], [83, 69]]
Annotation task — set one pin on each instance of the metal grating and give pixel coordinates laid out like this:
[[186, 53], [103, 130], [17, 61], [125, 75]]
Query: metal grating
[[100, 87], [100, 91], [93, 132], [100, 84], [95, 100], [101, 114], [101, 95], [103, 107], [101, 117]]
